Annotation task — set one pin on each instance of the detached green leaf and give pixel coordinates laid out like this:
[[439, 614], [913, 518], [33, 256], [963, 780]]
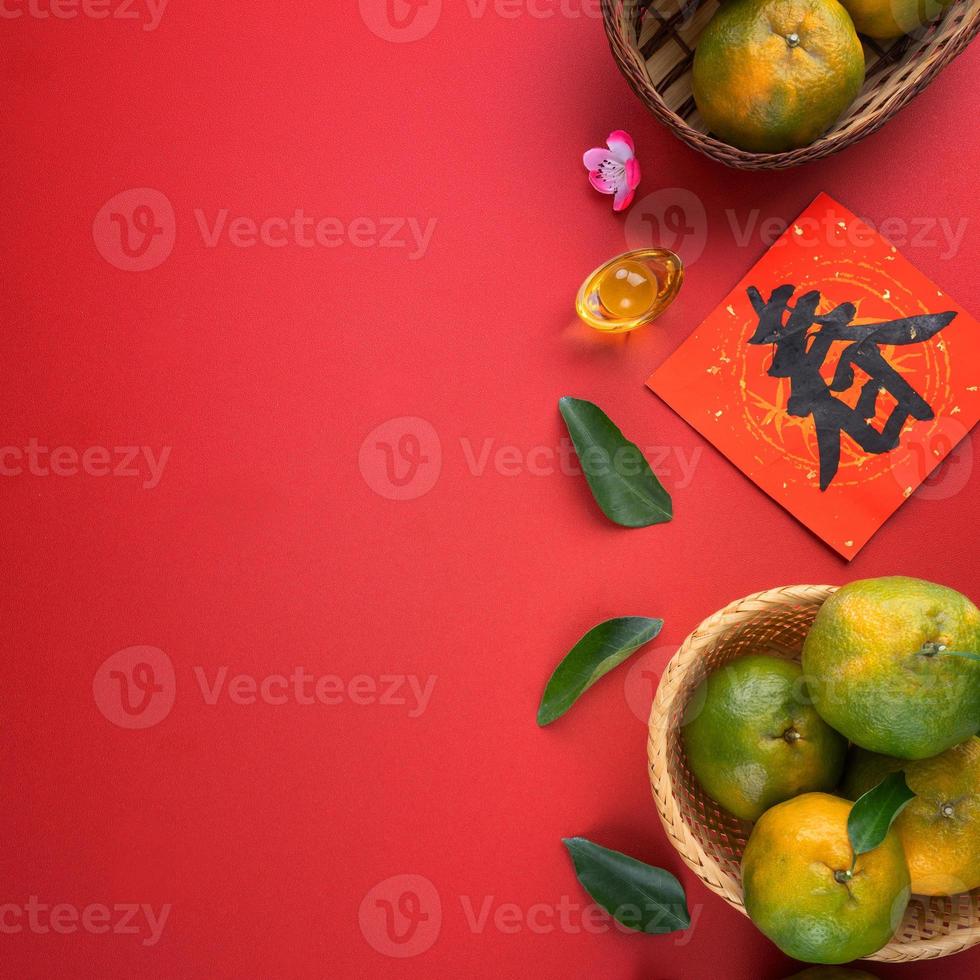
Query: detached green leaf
[[641, 897], [873, 814], [619, 476], [601, 649]]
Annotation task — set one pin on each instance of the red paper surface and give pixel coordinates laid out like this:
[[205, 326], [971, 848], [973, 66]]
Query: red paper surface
[[272, 541], [739, 391]]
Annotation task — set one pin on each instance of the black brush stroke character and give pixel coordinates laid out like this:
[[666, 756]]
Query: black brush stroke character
[[800, 353]]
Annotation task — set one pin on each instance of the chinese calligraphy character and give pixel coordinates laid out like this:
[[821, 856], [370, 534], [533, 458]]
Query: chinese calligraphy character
[[800, 354]]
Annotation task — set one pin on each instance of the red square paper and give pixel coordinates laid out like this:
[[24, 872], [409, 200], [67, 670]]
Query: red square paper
[[835, 375]]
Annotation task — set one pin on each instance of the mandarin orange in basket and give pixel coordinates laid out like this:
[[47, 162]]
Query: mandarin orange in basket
[[774, 75], [884, 19], [752, 738], [889, 662], [800, 890], [940, 828]]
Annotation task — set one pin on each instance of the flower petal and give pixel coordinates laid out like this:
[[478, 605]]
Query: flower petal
[[593, 158], [602, 183], [621, 144], [624, 198], [633, 174]]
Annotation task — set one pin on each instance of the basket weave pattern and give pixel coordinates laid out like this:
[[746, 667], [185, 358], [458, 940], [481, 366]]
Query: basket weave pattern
[[711, 841], [653, 42]]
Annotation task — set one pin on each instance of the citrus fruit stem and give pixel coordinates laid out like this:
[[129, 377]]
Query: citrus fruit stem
[[932, 648]]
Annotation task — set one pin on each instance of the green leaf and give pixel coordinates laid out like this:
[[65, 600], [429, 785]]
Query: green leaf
[[961, 653], [872, 815], [601, 649], [619, 476], [641, 897]]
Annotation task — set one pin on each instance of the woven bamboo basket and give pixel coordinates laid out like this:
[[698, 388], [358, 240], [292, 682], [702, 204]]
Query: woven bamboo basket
[[711, 841], [653, 42]]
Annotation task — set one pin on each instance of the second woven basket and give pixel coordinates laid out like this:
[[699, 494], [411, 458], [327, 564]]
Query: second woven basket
[[711, 841], [653, 42]]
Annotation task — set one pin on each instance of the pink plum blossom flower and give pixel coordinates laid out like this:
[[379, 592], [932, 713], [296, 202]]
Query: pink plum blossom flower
[[615, 170]]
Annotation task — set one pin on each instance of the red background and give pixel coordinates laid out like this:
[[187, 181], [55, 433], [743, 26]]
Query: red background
[[264, 548]]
